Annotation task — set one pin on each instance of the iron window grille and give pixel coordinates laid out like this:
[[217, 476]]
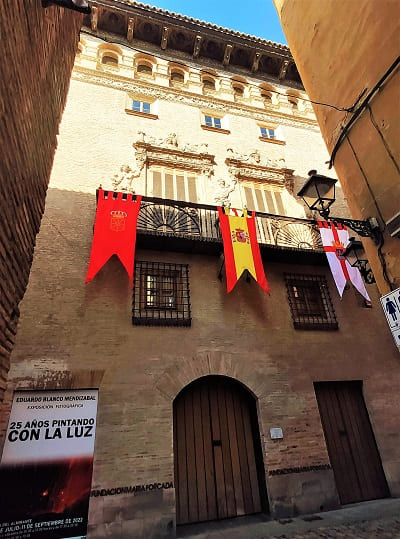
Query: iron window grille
[[161, 295], [310, 302]]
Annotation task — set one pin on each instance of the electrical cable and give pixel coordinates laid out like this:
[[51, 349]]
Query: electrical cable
[[381, 236], [361, 108], [388, 151]]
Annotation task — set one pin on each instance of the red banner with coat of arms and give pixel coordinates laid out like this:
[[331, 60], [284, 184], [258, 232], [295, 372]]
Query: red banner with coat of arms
[[241, 248], [114, 231]]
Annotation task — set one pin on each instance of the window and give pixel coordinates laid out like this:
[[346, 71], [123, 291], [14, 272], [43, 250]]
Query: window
[[210, 121], [208, 84], [109, 60], [141, 106], [177, 78], [161, 294], [268, 132], [144, 69], [259, 198], [172, 184], [267, 97], [310, 302], [238, 90], [293, 102]]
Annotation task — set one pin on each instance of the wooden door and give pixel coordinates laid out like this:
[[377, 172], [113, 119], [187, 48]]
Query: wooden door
[[350, 440], [216, 474]]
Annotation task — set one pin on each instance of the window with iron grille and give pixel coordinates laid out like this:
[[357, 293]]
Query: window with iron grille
[[161, 295], [310, 302]]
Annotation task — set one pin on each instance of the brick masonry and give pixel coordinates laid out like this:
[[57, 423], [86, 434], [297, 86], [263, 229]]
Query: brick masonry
[[77, 336], [38, 50], [74, 336]]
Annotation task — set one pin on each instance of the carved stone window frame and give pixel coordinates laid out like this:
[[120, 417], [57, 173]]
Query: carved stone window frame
[[169, 154], [245, 168]]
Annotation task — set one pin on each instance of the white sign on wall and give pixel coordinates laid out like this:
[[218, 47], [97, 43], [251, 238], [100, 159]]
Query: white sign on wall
[[391, 307]]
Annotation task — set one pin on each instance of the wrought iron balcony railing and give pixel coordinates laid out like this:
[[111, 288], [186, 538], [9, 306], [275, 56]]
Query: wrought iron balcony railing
[[199, 223]]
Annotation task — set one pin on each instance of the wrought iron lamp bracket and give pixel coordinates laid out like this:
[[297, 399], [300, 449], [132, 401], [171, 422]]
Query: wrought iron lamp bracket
[[362, 228]]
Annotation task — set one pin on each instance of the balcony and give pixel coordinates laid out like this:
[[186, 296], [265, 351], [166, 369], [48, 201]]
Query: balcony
[[182, 226]]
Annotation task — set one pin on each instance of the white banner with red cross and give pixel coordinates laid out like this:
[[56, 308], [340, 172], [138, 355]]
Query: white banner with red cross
[[335, 238]]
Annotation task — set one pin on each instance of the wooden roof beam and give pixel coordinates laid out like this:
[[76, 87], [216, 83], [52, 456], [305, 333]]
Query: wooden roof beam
[[197, 44], [94, 18], [164, 37], [131, 27], [227, 54], [283, 69], [256, 61]]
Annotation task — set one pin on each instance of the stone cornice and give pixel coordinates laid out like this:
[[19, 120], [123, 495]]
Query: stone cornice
[[250, 168], [146, 88]]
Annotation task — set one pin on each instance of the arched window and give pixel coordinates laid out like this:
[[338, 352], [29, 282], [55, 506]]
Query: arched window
[[109, 59], [238, 89], [177, 78], [266, 92], [208, 84], [293, 99], [144, 70], [267, 97]]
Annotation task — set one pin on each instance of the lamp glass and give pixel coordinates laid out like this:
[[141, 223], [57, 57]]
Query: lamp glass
[[318, 192], [354, 252], [325, 188]]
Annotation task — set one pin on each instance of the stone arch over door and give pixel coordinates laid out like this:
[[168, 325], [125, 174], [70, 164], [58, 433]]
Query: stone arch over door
[[218, 461]]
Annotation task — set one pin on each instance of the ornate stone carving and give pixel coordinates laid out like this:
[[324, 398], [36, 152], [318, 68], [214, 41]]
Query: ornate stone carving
[[167, 152], [222, 188], [171, 94], [250, 167], [123, 180]]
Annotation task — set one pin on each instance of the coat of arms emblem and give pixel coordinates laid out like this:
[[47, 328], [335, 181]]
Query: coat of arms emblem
[[339, 249], [240, 236], [117, 222]]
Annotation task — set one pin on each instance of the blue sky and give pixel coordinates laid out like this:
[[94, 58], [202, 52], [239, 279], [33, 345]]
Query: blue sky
[[255, 17]]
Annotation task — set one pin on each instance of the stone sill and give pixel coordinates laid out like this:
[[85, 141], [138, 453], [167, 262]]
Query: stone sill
[[142, 114], [216, 129], [273, 141]]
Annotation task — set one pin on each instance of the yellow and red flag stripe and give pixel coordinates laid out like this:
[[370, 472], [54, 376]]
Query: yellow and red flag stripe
[[241, 248]]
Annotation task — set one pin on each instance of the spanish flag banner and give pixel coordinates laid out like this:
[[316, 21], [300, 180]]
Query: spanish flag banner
[[241, 248], [114, 231]]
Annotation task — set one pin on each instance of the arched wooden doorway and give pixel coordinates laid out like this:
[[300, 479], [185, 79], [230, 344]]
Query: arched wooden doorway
[[218, 459]]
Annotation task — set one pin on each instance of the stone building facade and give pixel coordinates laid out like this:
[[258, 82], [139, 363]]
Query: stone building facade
[[330, 44], [190, 130], [38, 51]]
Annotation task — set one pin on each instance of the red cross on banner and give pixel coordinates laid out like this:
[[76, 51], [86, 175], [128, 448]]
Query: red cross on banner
[[335, 239]]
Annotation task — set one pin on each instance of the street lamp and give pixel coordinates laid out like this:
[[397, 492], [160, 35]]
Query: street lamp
[[76, 5], [355, 256], [319, 194]]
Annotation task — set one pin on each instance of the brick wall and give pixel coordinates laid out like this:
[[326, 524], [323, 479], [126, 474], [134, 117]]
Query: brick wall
[[72, 336], [38, 50]]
